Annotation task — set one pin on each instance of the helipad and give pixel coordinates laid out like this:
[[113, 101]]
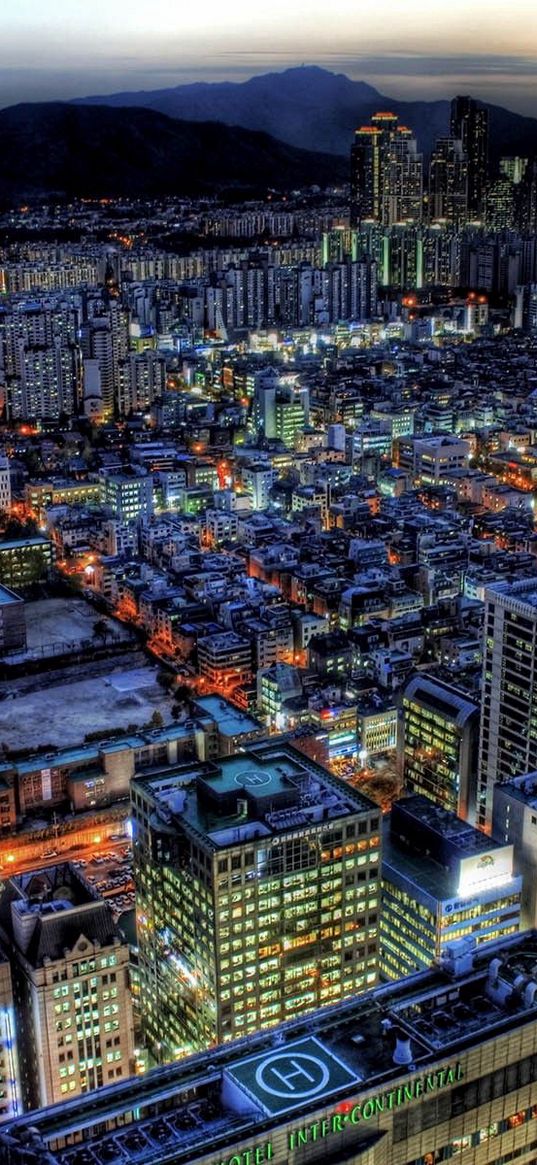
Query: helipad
[[285, 1077]]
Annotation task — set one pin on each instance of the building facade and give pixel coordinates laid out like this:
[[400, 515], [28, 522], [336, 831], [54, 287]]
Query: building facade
[[257, 891], [508, 735], [72, 1002], [514, 822], [438, 744]]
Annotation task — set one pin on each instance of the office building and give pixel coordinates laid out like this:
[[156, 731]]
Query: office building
[[257, 480], [442, 881], [70, 984], [429, 459], [376, 727], [257, 895], [129, 496], [438, 743], [25, 561], [514, 822], [508, 736], [438, 1068], [470, 125]]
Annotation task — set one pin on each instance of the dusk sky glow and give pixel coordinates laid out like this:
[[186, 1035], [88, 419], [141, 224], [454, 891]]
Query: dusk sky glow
[[66, 48]]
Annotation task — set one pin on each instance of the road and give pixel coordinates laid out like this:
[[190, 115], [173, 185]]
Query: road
[[81, 845]]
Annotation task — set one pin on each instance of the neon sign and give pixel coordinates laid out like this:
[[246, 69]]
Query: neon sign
[[351, 1113]]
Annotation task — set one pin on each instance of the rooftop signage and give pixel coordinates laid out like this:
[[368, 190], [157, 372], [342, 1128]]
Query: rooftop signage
[[285, 1078]]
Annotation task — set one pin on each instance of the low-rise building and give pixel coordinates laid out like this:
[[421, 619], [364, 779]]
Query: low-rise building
[[25, 561], [12, 621]]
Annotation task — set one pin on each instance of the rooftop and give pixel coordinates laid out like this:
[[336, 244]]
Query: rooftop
[[230, 720], [229, 1095], [20, 543], [7, 597], [442, 856], [523, 788], [46, 912], [267, 790]]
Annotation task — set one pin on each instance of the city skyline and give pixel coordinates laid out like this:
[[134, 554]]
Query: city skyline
[[268, 583], [426, 52]]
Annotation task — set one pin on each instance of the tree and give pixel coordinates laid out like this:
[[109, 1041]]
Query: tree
[[157, 720], [100, 629]]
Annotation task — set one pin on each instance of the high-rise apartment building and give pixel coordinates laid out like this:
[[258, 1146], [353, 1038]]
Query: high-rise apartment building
[[438, 744], [5, 485], [45, 386], [365, 174], [257, 892], [70, 985], [141, 379], [402, 188], [386, 172], [443, 881], [470, 125], [448, 181], [508, 736]]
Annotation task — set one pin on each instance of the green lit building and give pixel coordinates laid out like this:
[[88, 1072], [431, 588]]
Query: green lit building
[[25, 561], [257, 895], [445, 886], [438, 743]]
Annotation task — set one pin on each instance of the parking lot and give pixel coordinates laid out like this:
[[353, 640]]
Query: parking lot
[[110, 873]]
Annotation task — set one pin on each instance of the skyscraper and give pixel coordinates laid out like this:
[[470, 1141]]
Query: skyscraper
[[508, 739], [365, 174], [470, 124], [448, 181], [402, 179], [386, 172], [258, 891]]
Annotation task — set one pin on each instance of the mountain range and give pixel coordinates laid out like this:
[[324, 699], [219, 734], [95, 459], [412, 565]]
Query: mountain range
[[277, 131], [64, 150], [314, 109]]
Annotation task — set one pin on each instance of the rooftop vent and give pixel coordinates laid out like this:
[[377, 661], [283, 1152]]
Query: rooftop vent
[[402, 1052]]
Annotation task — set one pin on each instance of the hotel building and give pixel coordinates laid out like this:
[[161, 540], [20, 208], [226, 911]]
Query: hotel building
[[440, 1067]]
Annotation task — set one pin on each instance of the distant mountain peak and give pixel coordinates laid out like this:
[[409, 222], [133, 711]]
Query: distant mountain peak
[[316, 109]]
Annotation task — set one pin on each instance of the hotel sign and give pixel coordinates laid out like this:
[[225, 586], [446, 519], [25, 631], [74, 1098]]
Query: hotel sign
[[286, 1077]]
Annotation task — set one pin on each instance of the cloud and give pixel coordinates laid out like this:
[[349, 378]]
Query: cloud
[[499, 78]]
